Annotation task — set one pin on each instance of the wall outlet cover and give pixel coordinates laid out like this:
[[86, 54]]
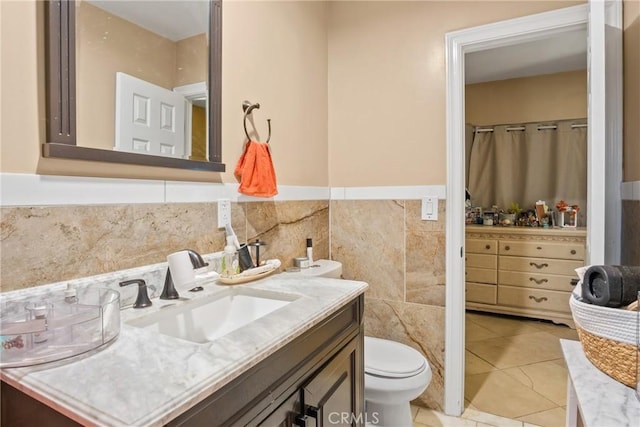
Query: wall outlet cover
[[224, 212]]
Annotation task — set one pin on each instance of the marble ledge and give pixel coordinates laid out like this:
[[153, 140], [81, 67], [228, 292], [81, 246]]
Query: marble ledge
[[602, 400], [147, 379]]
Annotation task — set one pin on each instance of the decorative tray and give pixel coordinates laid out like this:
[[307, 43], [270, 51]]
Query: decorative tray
[[36, 330], [245, 278]]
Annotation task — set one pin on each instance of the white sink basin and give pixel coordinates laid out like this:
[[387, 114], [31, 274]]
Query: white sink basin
[[208, 318]]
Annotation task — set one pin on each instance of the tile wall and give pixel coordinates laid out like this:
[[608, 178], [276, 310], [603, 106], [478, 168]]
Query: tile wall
[[40, 245], [386, 244]]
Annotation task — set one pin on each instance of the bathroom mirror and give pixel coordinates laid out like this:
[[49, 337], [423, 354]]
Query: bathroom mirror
[[87, 104]]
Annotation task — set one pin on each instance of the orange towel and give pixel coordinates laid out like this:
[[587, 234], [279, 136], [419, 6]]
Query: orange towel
[[255, 172]]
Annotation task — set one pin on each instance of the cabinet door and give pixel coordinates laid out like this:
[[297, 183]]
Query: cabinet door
[[285, 415], [331, 396]]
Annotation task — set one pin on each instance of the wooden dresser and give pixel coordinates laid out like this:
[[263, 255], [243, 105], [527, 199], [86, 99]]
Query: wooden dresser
[[523, 271]]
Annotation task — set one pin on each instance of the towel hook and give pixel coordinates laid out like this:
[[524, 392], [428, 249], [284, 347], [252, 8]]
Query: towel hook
[[248, 107]]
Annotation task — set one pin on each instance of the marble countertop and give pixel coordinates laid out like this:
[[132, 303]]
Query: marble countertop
[[602, 400], [147, 379]]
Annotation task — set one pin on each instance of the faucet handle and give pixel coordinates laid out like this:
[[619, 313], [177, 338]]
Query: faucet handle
[[143, 297]]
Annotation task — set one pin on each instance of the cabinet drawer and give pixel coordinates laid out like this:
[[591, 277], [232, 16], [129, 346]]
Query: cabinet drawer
[[481, 261], [536, 280], [482, 275], [539, 265], [534, 298], [542, 249], [482, 293], [481, 246]]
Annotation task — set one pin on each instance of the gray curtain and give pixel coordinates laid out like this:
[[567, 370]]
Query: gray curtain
[[528, 165]]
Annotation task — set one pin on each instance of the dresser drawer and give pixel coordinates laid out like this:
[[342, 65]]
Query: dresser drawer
[[536, 280], [534, 298], [542, 249], [482, 275], [482, 293], [481, 261], [481, 246], [539, 265]]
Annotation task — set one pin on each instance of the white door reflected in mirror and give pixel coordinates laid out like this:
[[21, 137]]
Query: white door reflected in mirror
[[149, 119]]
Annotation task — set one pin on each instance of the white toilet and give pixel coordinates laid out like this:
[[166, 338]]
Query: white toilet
[[395, 373]]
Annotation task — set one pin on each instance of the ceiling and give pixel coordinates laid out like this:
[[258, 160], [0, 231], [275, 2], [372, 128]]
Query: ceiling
[[175, 20], [555, 54]]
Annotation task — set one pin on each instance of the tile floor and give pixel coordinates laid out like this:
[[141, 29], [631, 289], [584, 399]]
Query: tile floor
[[515, 374]]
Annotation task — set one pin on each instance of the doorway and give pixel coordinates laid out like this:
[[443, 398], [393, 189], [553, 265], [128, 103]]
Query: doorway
[[601, 164]]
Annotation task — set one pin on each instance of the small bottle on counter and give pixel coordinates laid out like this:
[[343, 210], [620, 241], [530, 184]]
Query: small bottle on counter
[[310, 251], [230, 266]]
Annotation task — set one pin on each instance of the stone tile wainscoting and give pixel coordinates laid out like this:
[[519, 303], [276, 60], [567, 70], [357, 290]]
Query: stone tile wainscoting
[[386, 244], [46, 244]]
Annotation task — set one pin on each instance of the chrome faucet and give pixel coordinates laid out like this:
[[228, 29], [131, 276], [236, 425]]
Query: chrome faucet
[[169, 290]]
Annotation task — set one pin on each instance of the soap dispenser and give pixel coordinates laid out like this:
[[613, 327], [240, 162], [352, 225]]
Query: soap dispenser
[[230, 265]]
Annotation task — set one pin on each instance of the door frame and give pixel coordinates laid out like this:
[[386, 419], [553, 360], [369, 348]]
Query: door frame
[[458, 43]]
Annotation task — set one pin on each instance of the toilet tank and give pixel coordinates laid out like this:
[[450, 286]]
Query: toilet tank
[[320, 268]]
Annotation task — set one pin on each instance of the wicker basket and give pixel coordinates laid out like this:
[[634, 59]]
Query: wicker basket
[[608, 338]]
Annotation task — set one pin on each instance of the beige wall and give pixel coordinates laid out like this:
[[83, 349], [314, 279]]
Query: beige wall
[[539, 98], [631, 44], [192, 60], [387, 85], [390, 94], [274, 53]]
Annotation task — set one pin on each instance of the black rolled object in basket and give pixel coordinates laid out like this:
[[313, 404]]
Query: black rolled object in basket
[[611, 285]]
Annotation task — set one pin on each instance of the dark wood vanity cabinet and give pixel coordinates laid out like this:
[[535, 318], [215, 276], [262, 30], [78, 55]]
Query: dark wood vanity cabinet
[[316, 380], [328, 398]]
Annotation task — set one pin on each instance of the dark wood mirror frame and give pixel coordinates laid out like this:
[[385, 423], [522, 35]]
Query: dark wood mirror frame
[[61, 95]]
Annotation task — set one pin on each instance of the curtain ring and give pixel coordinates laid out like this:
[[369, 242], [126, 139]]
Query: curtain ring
[[248, 107]]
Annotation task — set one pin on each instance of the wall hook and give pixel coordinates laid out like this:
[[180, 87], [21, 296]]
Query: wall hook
[[248, 107]]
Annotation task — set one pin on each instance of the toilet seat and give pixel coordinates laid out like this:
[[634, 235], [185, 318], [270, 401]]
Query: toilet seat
[[390, 359]]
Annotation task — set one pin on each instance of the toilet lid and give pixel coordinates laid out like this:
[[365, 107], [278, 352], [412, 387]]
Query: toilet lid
[[391, 359]]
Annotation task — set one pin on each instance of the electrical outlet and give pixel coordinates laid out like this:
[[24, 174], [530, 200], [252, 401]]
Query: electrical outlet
[[224, 212]]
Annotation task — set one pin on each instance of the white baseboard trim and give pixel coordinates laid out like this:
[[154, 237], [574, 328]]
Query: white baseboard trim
[[46, 190], [630, 190]]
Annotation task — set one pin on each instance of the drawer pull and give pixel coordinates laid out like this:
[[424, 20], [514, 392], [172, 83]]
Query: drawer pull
[[538, 281], [538, 266], [539, 248], [573, 251], [506, 248], [538, 299], [488, 247]]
